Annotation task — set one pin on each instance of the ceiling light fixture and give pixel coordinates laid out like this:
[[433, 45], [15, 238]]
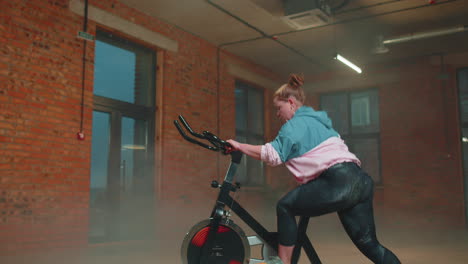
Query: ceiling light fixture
[[348, 63]]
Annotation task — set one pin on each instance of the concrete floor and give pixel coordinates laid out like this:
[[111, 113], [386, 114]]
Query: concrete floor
[[411, 245]]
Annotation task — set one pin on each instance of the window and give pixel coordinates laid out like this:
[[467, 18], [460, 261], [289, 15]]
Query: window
[[360, 111], [249, 129], [123, 70], [355, 115]]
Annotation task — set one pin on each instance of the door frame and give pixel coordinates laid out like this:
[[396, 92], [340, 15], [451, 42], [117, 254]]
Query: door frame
[[461, 125]]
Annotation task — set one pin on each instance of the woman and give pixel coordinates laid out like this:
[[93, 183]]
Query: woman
[[330, 176]]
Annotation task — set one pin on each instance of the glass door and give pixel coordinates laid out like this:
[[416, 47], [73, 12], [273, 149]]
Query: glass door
[[136, 202], [122, 156], [121, 193], [99, 200]]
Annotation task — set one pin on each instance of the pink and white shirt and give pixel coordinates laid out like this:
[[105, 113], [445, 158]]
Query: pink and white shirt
[[312, 163]]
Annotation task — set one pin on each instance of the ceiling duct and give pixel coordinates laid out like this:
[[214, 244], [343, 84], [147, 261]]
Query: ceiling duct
[[423, 35], [302, 14], [381, 43]]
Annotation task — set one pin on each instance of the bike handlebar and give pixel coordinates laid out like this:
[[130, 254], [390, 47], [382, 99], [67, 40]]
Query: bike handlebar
[[218, 144]]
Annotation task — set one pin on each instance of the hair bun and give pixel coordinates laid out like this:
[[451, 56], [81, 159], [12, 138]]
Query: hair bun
[[296, 80]]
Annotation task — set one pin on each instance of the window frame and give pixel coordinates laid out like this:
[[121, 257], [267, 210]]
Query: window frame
[[260, 137]]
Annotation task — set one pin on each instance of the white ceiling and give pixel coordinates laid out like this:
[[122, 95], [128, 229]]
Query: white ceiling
[[248, 28]]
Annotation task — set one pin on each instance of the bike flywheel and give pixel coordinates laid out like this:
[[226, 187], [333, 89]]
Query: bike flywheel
[[230, 246]]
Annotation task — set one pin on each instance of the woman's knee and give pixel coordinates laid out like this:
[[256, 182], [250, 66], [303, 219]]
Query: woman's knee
[[286, 203], [286, 222], [282, 207]]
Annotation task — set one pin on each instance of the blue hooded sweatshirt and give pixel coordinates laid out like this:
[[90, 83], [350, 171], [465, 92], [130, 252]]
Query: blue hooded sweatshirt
[[303, 132]]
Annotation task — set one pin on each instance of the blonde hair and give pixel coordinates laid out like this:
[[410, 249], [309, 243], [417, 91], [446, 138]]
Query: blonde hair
[[292, 88]]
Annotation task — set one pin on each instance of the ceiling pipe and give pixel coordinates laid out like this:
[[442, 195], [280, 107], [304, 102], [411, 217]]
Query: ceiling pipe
[[381, 47], [423, 35], [350, 10]]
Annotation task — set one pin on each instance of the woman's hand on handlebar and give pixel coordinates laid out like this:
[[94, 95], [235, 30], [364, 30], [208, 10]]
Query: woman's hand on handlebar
[[234, 144], [253, 151]]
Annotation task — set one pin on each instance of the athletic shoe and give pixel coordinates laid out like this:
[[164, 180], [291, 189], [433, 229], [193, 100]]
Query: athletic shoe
[[273, 260]]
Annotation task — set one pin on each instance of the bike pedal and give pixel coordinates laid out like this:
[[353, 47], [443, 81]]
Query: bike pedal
[[254, 240], [273, 260]]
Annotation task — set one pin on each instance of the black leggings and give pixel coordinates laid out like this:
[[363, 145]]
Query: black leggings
[[344, 188]]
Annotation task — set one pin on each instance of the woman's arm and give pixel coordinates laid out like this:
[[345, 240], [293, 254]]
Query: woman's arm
[[253, 151]]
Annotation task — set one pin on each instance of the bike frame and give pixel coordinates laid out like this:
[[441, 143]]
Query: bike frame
[[225, 200], [271, 238]]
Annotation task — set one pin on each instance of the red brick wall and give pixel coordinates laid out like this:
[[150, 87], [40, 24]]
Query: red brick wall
[[420, 145], [44, 169]]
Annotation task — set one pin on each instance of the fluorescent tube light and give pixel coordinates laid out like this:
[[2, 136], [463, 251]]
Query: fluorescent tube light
[[348, 63]]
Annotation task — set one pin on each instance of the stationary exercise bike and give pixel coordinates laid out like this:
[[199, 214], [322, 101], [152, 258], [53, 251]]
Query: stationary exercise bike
[[218, 240]]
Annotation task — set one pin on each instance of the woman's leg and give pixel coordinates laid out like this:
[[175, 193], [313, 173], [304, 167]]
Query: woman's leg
[[358, 222], [311, 199], [285, 253], [286, 209], [287, 226], [328, 193], [345, 189]]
